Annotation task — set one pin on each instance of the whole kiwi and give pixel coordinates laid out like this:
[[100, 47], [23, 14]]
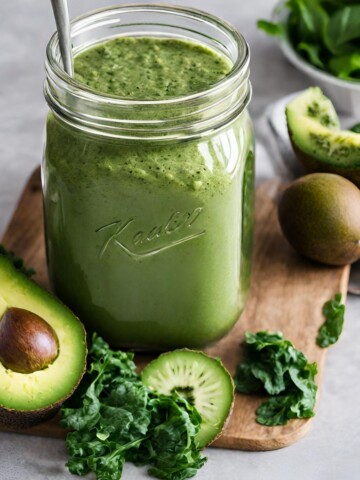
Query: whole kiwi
[[320, 216]]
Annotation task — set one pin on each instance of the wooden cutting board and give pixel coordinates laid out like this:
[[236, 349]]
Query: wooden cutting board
[[287, 294]]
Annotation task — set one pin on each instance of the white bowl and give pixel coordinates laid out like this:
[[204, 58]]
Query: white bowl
[[345, 94]]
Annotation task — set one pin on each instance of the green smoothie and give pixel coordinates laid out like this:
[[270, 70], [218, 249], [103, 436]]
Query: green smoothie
[[148, 68], [149, 242]]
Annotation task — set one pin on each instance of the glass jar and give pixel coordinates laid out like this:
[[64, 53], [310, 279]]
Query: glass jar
[[148, 204]]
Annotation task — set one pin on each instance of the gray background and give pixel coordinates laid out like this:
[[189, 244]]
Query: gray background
[[332, 449]]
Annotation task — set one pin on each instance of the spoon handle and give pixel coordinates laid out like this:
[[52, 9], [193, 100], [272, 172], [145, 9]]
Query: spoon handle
[[62, 19]]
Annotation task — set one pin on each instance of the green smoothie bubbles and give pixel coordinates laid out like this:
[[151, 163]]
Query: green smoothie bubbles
[[148, 176]]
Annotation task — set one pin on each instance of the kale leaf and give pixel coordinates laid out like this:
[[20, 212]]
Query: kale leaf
[[114, 418], [16, 261], [273, 365], [331, 329], [324, 32], [170, 446]]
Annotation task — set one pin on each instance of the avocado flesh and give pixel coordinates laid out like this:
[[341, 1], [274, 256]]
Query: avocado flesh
[[44, 388], [317, 138]]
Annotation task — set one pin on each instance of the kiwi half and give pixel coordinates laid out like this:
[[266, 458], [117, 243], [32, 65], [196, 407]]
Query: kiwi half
[[202, 380], [317, 138]]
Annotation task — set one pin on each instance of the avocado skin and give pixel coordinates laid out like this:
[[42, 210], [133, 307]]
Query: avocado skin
[[312, 164], [319, 215], [17, 419]]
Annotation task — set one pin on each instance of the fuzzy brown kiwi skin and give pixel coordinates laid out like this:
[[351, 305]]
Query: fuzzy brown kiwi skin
[[313, 164], [318, 238], [19, 419], [226, 421]]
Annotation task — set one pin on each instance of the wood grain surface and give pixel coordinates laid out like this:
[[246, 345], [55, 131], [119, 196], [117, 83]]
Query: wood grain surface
[[287, 293]]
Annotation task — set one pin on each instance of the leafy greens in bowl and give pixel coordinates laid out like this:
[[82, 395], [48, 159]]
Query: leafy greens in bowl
[[322, 38], [324, 32]]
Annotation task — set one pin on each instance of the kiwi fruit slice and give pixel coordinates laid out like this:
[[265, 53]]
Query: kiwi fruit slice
[[317, 138], [202, 380]]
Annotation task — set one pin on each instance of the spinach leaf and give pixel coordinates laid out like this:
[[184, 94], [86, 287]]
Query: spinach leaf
[[270, 28], [308, 20], [313, 52], [355, 128], [16, 261], [346, 66], [114, 418], [325, 32], [331, 329], [344, 26], [273, 365]]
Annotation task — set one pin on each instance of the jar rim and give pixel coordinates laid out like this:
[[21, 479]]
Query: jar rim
[[182, 117], [80, 22]]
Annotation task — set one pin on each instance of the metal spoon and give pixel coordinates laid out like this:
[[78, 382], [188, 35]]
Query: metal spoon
[[62, 19]]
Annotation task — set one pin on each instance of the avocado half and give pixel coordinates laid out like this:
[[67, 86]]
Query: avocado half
[[27, 399], [317, 138]]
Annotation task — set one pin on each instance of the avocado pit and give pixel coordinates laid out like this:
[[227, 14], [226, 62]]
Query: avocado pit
[[27, 342]]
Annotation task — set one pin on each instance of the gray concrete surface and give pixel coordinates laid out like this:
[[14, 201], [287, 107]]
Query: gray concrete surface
[[331, 451]]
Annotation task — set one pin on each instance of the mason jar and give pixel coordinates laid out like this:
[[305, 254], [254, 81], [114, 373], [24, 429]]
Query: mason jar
[[149, 204]]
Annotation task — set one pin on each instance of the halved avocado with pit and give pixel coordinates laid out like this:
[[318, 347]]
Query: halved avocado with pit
[[42, 350], [317, 138]]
